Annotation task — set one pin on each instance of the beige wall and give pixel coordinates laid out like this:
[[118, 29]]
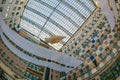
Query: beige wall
[[12, 11]]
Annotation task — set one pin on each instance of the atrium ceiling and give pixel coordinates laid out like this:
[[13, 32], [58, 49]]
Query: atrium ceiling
[[44, 18]]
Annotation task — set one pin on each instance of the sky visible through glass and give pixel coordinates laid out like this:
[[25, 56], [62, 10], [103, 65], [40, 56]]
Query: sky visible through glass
[[44, 18]]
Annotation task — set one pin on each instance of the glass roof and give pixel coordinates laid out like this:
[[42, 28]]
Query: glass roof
[[44, 18]]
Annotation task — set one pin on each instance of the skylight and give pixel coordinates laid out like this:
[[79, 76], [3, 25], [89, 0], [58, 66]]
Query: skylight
[[44, 18]]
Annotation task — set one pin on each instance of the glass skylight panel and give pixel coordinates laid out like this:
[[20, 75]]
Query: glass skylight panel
[[57, 31], [43, 35], [85, 7], [87, 3], [73, 30], [66, 39], [68, 12], [78, 20], [78, 7], [64, 21], [56, 46], [61, 18], [30, 29], [36, 31], [53, 3], [41, 8], [25, 24], [34, 17], [82, 23], [32, 22], [31, 1], [52, 28], [91, 4]]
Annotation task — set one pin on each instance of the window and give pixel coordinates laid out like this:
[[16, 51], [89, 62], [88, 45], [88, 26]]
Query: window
[[6, 15], [116, 1], [13, 13], [77, 51], [17, 13], [10, 1], [10, 21], [74, 76], [21, 3], [101, 49], [75, 43], [81, 72], [14, 24], [8, 8], [16, 2], [14, 8], [1, 9], [19, 8], [65, 20], [3, 1], [87, 68], [101, 56], [10, 25], [15, 20], [95, 63]]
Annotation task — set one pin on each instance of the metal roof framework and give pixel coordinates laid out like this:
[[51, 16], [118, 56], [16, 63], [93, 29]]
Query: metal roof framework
[[45, 18]]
